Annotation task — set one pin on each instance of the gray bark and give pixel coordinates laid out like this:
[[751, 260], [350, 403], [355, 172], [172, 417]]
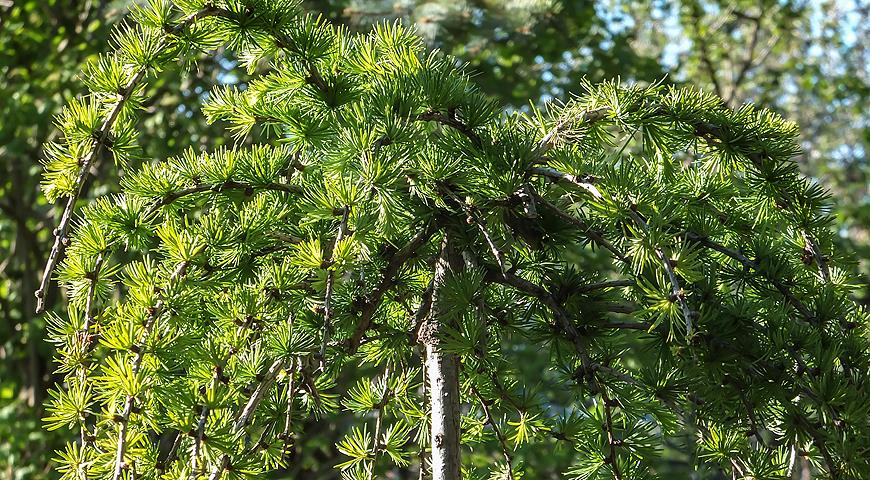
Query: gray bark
[[443, 376]]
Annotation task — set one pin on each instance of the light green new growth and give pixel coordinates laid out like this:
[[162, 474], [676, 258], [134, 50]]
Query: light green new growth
[[660, 249]]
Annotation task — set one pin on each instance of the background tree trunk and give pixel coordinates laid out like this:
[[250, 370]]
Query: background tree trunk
[[443, 376]]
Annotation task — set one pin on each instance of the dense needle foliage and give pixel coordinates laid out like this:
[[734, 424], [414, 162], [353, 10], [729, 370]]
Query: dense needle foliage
[[659, 248]]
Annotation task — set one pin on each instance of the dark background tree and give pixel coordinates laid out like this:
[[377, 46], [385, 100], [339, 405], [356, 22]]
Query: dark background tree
[[807, 60]]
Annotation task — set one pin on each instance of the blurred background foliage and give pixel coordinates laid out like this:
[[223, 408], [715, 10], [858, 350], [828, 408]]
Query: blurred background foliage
[[807, 60]]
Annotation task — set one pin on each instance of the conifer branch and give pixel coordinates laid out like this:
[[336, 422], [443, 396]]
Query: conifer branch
[[588, 117], [641, 326], [813, 247], [101, 140], [222, 466], [388, 273], [171, 456], [677, 292], [753, 421], [89, 303], [605, 284], [87, 436], [586, 229], [746, 262], [124, 418], [473, 216], [169, 198], [756, 157], [584, 182], [820, 443], [559, 312], [248, 411], [330, 286]]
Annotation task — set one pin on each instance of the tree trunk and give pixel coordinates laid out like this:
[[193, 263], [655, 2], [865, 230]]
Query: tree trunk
[[443, 376]]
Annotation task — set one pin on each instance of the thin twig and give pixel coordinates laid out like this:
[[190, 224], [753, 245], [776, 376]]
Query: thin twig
[[611, 438], [87, 435], [474, 215], [379, 407], [549, 140], [291, 396], [197, 444], [485, 404], [330, 287], [171, 197], [748, 61], [705, 50]]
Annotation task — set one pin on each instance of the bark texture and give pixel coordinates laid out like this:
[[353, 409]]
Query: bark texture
[[443, 376]]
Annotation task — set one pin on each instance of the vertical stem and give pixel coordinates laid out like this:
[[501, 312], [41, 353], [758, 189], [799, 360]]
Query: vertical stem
[[443, 375]]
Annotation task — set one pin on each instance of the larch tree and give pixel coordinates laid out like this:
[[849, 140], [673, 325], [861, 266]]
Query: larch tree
[[394, 240]]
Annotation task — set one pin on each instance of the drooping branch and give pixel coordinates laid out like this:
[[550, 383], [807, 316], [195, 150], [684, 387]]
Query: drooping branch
[[595, 236], [102, 140], [746, 262], [140, 348], [756, 157]]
